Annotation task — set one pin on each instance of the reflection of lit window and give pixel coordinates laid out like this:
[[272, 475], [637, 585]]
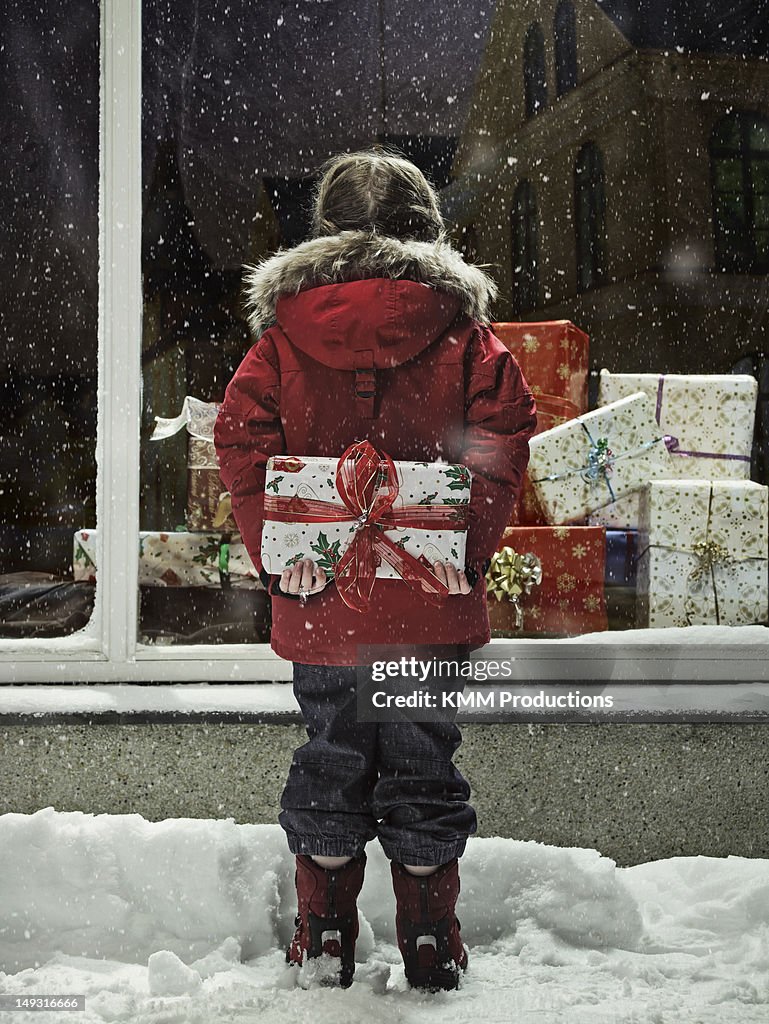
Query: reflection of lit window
[[534, 81], [590, 216], [524, 240], [565, 36], [739, 155]]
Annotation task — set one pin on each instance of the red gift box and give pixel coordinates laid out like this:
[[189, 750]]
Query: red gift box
[[570, 599], [553, 356]]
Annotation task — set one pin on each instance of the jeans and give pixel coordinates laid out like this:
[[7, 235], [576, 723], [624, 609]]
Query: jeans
[[355, 781]]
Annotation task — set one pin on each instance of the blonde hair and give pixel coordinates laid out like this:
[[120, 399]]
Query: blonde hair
[[379, 191]]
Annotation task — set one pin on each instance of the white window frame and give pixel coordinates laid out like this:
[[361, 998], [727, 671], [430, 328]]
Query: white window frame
[[107, 649]]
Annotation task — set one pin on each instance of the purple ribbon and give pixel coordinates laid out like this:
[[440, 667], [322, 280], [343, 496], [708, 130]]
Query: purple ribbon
[[672, 443]]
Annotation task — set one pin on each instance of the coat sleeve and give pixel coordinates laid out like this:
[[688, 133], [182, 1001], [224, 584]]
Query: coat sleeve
[[247, 432], [500, 417]]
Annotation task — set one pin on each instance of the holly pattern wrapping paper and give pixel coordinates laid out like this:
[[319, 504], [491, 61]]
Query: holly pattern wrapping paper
[[703, 553], [595, 459], [310, 478], [553, 356], [176, 559], [708, 419], [569, 601]]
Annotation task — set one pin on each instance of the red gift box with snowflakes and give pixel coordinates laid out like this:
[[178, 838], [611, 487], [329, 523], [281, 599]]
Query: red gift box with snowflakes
[[570, 599], [553, 356]]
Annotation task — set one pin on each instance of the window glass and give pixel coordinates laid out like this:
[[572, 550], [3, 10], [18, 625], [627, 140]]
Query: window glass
[[524, 238], [49, 200], [565, 38], [239, 112], [566, 212], [740, 168], [759, 135], [590, 221], [534, 80]]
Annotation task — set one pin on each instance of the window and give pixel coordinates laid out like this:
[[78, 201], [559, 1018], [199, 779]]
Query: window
[[590, 217], [148, 159], [565, 37], [739, 155], [534, 80], [48, 304], [524, 248]]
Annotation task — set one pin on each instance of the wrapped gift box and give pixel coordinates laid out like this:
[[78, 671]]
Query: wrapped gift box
[[208, 506], [597, 458], [553, 356], [708, 418], [570, 599], [177, 559], [703, 553], [298, 488]]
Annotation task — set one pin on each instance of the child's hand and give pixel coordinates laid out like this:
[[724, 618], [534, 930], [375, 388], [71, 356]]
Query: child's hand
[[455, 580], [298, 579]]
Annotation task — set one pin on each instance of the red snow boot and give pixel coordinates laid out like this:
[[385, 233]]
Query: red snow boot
[[327, 922], [427, 928]]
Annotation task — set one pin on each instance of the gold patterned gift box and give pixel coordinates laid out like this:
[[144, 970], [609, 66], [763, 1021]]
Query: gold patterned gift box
[[707, 419], [594, 459], [208, 501], [703, 553]]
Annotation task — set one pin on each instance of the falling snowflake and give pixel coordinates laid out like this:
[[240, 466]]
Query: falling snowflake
[[291, 540]]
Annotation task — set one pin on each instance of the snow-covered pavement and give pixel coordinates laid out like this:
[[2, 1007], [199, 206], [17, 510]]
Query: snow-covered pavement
[[186, 920]]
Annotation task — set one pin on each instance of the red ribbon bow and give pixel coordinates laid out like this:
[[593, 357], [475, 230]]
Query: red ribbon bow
[[367, 482]]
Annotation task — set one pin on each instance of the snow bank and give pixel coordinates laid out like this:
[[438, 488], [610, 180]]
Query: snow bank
[[123, 888], [185, 922]]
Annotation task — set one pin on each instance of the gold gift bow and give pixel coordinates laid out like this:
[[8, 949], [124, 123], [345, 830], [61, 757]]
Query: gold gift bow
[[709, 554], [510, 576]]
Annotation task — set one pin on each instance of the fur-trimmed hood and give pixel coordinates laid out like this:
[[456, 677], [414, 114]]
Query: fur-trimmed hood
[[361, 255]]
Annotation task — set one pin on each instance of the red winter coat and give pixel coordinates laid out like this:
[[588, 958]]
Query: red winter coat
[[445, 388]]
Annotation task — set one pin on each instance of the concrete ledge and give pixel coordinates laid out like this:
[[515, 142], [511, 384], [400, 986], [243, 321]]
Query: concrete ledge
[[634, 792]]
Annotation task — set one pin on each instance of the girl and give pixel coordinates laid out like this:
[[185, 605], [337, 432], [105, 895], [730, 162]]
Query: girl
[[375, 328]]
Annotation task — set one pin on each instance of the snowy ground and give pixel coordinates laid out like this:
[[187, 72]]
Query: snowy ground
[[185, 921]]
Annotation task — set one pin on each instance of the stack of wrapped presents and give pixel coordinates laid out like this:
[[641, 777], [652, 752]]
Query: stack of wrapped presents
[[197, 582], [646, 495], [207, 550], [639, 512]]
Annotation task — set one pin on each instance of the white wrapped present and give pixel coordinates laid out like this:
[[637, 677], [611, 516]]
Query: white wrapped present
[[594, 459], [176, 559], [707, 419], [365, 516], [703, 553]]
